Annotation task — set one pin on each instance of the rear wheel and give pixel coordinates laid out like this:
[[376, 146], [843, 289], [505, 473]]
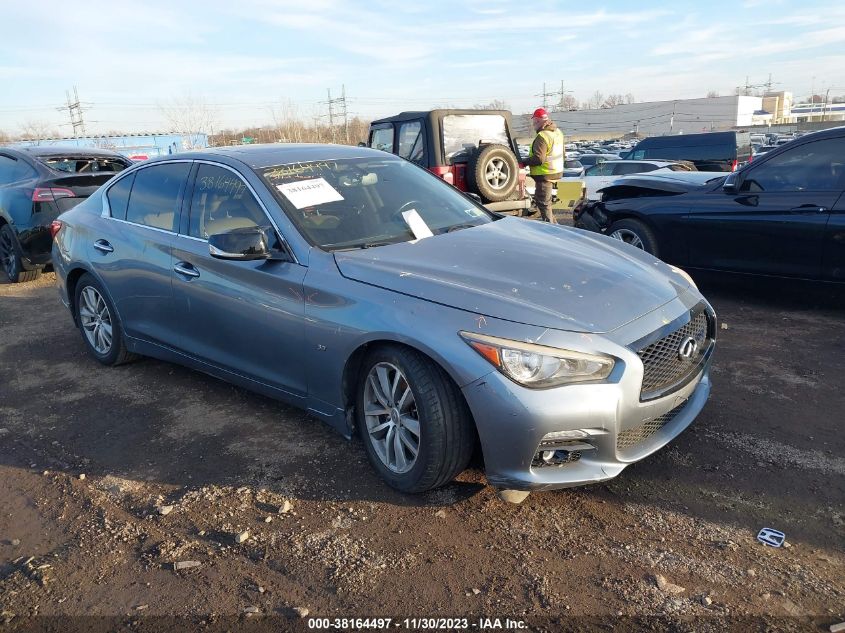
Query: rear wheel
[[10, 257], [98, 321], [635, 233], [493, 173], [416, 428]]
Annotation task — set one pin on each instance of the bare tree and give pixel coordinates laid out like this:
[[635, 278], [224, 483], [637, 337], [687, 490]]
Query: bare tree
[[496, 104], [568, 102], [630, 98], [613, 100], [37, 131], [712, 94], [596, 100], [190, 116]]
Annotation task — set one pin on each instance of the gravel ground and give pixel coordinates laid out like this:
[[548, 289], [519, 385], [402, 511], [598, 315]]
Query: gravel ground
[[151, 490]]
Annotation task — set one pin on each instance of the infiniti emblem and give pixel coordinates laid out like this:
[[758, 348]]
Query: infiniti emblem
[[687, 348]]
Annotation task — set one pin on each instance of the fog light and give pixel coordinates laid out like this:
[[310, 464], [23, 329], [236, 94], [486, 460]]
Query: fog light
[[555, 458]]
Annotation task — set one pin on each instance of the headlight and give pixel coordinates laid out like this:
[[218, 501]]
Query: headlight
[[684, 274], [538, 366]]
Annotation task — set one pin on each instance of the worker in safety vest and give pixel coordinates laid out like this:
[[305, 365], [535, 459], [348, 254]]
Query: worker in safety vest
[[545, 162]]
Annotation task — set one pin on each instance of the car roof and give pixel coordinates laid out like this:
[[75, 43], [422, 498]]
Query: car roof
[[270, 154], [65, 150], [423, 114]]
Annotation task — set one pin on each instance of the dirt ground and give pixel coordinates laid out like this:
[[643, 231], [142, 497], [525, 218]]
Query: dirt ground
[[112, 476]]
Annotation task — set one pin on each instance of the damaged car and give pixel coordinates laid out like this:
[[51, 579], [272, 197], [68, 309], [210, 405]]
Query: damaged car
[[362, 288], [782, 214]]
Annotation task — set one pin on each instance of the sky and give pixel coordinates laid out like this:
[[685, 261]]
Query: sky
[[252, 60]]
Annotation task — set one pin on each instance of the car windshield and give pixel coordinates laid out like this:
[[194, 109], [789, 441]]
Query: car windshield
[[84, 165], [368, 202]]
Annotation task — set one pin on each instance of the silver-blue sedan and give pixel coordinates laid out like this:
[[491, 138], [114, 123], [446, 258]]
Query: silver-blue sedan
[[362, 288]]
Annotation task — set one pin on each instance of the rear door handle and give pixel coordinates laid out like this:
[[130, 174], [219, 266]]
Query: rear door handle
[[809, 208], [187, 269], [103, 246]]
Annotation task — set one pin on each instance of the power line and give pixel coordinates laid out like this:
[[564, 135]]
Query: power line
[[342, 112]]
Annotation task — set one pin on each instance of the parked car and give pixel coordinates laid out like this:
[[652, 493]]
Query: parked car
[[362, 288], [573, 169], [601, 175], [36, 184], [474, 150], [782, 214], [711, 151], [588, 160]]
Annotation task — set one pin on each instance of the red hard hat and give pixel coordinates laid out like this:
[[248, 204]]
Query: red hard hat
[[540, 113]]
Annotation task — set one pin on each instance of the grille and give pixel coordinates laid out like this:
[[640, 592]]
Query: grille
[[632, 437], [663, 366]]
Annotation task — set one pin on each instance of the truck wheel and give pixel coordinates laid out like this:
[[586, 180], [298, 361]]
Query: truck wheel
[[493, 173], [635, 233]]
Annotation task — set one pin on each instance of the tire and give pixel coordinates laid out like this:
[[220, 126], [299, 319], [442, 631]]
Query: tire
[[636, 234], [10, 257], [445, 435], [95, 315], [493, 173]]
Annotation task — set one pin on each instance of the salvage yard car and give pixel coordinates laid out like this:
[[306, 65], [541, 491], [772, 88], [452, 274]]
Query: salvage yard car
[[360, 287], [782, 214], [36, 185]]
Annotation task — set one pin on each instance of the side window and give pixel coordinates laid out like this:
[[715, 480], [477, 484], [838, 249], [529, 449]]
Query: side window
[[600, 169], [411, 141], [154, 200], [382, 138], [118, 196], [23, 171], [818, 166], [7, 169], [222, 202], [630, 168]]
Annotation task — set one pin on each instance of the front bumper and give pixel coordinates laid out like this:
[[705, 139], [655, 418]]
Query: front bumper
[[617, 426]]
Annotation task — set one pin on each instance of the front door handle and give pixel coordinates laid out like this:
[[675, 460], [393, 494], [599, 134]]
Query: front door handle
[[103, 246], [809, 208], [187, 269]]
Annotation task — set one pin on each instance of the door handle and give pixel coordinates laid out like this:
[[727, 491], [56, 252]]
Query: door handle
[[809, 208], [103, 246], [184, 268]]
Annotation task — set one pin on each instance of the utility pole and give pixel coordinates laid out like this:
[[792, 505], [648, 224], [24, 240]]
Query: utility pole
[[342, 112], [546, 96], [74, 109]]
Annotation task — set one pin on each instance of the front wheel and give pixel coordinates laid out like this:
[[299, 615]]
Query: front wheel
[[98, 321], [416, 428], [636, 234]]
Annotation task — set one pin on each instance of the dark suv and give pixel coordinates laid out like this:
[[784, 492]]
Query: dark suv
[[36, 185], [473, 150], [711, 151]]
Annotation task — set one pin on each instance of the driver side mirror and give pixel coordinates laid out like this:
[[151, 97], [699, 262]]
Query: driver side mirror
[[732, 183], [243, 244]]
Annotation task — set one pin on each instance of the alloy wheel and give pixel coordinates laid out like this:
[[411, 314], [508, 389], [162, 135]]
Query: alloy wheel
[[629, 237], [497, 173], [96, 320], [391, 416]]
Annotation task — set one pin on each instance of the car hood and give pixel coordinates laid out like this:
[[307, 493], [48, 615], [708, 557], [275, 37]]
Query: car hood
[[523, 271], [672, 181]]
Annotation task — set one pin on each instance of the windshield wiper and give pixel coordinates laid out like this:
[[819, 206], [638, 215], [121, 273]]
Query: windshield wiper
[[362, 245]]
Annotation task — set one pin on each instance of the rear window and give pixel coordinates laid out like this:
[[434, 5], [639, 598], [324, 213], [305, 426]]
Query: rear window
[[462, 132], [82, 165]]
